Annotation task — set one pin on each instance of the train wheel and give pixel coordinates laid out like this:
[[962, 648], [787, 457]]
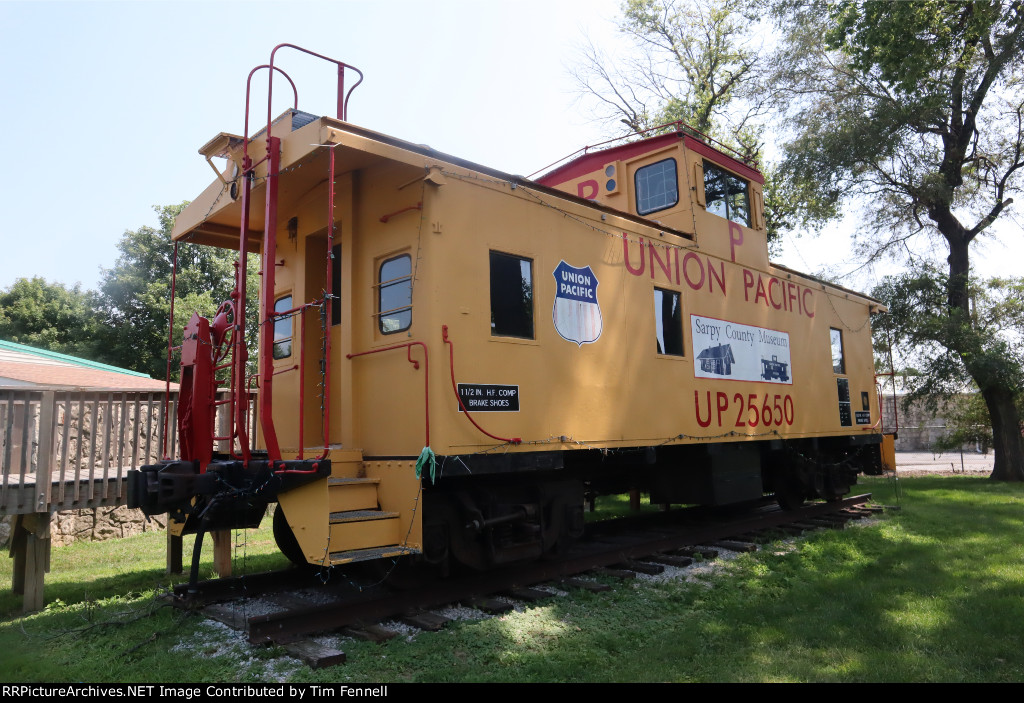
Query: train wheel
[[285, 539], [836, 484], [834, 493], [789, 493]]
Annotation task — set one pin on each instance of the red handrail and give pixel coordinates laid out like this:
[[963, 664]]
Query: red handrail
[[455, 389], [270, 244], [416, 365]]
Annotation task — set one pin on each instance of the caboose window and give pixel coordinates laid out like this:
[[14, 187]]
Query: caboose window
[[668, 321], [394, 294], [283, 328], [511, 296], [838, 365], [657, 187], [726, 195]]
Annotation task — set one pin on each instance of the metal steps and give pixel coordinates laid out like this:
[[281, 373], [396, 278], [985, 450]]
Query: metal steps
[[356, 521], [354, 555], [361, 516], [350, 494]]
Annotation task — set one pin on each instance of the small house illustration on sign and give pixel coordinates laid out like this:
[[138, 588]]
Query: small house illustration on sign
[[717, 360]]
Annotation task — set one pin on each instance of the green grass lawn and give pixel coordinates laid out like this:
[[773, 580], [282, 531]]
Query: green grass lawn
[[932, 592]]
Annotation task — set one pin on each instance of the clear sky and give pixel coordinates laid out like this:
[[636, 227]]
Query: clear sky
[[105, 104]]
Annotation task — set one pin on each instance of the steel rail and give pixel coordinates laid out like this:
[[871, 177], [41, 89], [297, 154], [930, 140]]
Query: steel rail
[[289, 625]]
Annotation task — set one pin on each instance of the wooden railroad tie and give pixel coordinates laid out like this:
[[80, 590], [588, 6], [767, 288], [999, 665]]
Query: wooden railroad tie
[[425, 620], [584, 585], [369, 633], [671, 560], [622, 574], [640, 567], [491, 606], [530, 595], [315, 655], [734, 546]]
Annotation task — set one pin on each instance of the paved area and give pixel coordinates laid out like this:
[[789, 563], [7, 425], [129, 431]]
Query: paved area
[[968, 462]]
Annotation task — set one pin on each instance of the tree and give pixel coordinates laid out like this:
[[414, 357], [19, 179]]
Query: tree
[[134, 297], [690, 62], [697, 62], [967, 422], [937, 345], [48, 316], [915, 109]]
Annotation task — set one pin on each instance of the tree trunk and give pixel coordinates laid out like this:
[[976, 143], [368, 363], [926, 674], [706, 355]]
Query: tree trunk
[[1006, 427], [959, 265], [1006, 437]]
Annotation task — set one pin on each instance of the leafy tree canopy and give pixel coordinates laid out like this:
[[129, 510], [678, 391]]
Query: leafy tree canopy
[[134, 297], [914, 110], [967, 422], [695, 59], [939, 345], [955, 353], [125, 322], [698, 62], [48, 316]]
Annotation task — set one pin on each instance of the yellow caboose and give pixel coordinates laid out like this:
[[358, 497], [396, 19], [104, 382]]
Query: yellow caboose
[[452, 357]]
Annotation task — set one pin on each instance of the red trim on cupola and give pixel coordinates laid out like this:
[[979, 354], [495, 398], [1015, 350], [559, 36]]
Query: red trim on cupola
[[594, 161], [588, 163]]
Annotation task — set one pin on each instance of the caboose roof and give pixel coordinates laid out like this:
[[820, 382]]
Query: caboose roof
[[591, 161], [213, 217]]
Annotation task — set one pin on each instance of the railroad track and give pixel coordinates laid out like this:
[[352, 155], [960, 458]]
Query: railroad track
[[299, 603]]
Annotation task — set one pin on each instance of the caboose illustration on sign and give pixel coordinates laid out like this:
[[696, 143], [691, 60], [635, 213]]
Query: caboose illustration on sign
[[773, 368]]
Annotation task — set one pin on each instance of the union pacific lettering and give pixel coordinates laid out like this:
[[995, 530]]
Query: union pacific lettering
[[701, 273], [577, 285], [697, 272], [779, 294]]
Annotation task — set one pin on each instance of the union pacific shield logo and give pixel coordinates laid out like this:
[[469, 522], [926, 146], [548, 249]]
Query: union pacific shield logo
[[576, 313]]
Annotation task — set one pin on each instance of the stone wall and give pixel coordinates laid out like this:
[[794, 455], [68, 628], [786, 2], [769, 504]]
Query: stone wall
[[91, 525], [98, 524], [919, 425]]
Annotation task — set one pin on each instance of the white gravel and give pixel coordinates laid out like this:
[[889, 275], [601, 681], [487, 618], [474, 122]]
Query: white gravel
[[695, 572], [217, 640], [213, 640], [461, 612]]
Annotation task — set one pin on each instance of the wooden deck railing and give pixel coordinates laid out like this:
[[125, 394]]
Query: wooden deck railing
[[63, 449]]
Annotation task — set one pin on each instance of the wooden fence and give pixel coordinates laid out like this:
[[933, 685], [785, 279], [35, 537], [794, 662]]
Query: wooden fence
[[62, 449]]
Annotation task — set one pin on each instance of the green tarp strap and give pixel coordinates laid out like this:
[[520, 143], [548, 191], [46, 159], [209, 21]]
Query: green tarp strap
[[426, 460]]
